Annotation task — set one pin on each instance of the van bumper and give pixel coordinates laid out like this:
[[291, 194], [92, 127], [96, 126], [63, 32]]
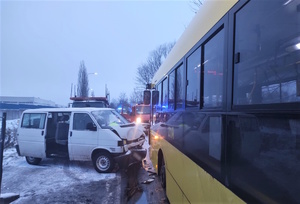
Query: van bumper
[[123, 160], [137, 155], [130, 157]]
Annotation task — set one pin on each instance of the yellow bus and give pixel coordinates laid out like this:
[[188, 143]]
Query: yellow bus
[[227, 122]]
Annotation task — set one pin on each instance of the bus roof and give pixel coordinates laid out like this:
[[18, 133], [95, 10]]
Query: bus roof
[[207, 16]]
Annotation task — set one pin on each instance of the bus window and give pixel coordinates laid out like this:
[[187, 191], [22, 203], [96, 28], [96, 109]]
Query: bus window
[[268, 69], [193, 79], [213, 71], [158, 106], [179, 87], [203, 140], [171, 90], [165, 94], [263, 155]]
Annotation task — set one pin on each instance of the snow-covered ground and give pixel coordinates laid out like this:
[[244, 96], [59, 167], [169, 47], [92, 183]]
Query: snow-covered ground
[[58, 181]]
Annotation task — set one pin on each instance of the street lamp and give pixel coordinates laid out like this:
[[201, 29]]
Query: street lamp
[[92, 91], [94, 73]]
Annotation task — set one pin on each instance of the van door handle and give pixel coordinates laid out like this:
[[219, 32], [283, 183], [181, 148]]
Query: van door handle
[[70, 133], [42, 132]]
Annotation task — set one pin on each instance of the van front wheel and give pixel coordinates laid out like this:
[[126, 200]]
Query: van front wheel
[[33, 160], [103, 162]]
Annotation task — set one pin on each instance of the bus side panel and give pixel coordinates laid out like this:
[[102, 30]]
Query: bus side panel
[[201, 187], [174, 162], [155, 145], [196, 184], [173, 191]]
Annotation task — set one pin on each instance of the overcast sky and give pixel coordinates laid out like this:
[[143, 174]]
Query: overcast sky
[[43, 42]]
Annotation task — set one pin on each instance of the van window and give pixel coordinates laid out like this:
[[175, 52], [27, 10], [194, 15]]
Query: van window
[[81, 121], [33, 120]]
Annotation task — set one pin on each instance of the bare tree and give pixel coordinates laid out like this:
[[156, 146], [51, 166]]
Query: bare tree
[[83, 81], [123, 102], [146, 71], [123, 98], [113, 104], [195, 5], [137, 96]]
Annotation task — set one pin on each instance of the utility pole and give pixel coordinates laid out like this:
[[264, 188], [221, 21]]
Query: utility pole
[[2, 146], [10, 197]]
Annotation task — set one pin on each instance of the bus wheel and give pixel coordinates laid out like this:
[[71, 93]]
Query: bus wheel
[[103, 162], [162, 174], [33, 160]]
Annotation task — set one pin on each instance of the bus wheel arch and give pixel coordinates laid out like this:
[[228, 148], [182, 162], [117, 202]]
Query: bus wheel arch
[[161, 169]]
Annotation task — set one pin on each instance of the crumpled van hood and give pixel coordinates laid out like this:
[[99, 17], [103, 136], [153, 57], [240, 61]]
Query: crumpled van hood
[[130, 131]]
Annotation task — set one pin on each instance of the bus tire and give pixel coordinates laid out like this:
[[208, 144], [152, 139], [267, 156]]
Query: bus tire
[[103, 162], [33, 160], [162, 174]]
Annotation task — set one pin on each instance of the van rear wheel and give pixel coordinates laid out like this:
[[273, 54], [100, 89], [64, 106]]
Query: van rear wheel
[[103, 162], [33, 160]]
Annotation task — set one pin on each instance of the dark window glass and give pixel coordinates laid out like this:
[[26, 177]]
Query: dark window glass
[[171, 90], [158, 107], [179, 87], [268, 45], [165, 94], [34, 120], [213, 71], [201, 138], [264, 157], [81, 121], [193, 79]]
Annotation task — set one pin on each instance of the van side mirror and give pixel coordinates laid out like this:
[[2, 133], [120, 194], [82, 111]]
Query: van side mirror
[[147, 97], [91, 127], [155, 97]]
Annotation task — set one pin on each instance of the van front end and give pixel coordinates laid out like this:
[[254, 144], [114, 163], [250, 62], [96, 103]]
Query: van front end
[[133, 134]]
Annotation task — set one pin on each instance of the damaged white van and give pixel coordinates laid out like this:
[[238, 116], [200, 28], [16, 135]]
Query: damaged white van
[[98, 134]]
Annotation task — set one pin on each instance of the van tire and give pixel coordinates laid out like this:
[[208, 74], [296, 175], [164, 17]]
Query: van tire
[[103, 162], [33, 160]]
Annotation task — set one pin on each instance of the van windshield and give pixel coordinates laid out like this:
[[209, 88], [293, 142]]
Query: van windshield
[[108, 118]]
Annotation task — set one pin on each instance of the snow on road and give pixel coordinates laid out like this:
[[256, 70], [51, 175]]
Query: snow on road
[[58, 181]]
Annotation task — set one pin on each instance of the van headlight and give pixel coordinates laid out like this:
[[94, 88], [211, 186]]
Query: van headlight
[[122, 142], [138, 120]]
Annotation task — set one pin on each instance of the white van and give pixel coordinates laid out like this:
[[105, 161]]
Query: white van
[[98, 134]]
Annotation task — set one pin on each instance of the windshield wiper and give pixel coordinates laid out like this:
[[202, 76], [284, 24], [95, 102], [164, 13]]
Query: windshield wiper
[[128, 125]]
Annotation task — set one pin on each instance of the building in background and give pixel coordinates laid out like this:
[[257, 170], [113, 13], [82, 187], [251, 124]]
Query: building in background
[[14, 106]]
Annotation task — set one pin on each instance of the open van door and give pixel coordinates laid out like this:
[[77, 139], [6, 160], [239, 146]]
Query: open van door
[[31, 135]]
